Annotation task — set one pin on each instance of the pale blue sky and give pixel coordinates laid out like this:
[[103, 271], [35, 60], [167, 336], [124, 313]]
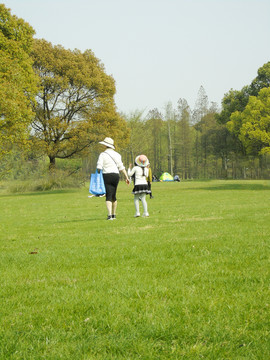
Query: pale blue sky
[[160, 50]]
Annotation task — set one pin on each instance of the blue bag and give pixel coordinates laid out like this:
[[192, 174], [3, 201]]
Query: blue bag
[[97, 186]]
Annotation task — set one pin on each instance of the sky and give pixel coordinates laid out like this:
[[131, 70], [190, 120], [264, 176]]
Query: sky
[[159, 51]]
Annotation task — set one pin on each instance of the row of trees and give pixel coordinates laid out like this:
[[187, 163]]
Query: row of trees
[[200, 143], [196, 144], [59, 103], [206, 142]]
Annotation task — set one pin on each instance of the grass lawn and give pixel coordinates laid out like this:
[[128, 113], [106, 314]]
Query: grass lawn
[[189, 282]]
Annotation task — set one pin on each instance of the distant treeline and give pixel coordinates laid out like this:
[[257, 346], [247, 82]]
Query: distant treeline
[[198, 143]]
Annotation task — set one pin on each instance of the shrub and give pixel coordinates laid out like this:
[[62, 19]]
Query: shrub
[[60, 179]]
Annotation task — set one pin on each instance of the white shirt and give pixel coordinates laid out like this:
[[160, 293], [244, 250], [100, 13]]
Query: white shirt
[[110, 161], [139, 178]]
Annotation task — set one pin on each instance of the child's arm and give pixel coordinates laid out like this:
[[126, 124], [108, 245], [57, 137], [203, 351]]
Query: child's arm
[[131, 171]]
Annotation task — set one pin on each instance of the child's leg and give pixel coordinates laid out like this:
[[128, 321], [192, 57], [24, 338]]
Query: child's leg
[[137, 204], [144, 203]]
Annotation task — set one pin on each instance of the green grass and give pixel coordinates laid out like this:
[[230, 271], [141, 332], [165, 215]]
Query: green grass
[[189, 282]]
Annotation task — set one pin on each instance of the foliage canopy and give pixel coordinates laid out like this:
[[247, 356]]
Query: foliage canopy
[[246, 113], [17, 78], [75, 103], [253, 124]]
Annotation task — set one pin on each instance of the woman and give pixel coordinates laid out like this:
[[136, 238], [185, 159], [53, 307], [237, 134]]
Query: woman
[[110, 162]]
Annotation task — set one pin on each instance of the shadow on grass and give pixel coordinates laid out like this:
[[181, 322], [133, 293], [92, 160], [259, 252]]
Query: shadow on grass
[[41, 193], [78, 220], [255, 187]]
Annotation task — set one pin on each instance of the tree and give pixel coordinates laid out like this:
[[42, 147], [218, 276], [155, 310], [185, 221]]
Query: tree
[[253, 124], [154, 126], [184, 140], [234, 104], [236, 100], [138, 138], [261, 81], [75, 104], [170, 119], [201, 106], [233, 101], [17, 78]]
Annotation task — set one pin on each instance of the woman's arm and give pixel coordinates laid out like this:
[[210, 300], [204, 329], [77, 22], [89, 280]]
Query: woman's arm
[[125, 173], [100, 162]]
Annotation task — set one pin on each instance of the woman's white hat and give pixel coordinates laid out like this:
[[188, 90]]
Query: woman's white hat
[[142, 161], [108, 142]]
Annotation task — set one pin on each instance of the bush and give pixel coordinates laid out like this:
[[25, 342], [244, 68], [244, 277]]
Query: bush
[[60, 179], [21, 172]]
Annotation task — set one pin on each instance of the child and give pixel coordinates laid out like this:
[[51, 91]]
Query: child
[[140, 173]]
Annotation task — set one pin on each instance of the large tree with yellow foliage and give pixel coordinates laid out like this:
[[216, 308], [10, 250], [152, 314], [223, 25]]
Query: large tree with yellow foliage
[[75, 104], [17, 79]]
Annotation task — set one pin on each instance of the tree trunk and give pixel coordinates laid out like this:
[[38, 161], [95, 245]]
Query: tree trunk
[[170, 165], [225, 166], [52, 163]]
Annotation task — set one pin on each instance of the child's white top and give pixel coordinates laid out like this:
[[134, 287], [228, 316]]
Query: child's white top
[[139, 178]]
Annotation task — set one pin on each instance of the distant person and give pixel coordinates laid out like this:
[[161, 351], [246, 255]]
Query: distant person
[[176, 178], [149, 181], [110, 162], [140, 173]]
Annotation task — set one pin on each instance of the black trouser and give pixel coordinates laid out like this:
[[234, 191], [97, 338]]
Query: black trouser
[[149, 188], [111, 181]]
